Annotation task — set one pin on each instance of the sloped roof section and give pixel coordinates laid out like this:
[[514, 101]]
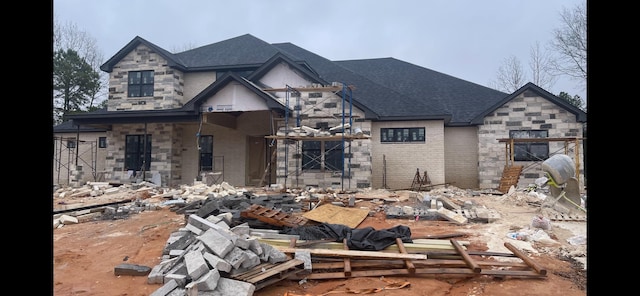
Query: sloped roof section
[[385, 103], [242, 51], [462, 99], [172, 60], [195, 103], [581, 116]]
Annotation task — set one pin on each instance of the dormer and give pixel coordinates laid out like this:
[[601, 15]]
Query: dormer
[[143, 76]]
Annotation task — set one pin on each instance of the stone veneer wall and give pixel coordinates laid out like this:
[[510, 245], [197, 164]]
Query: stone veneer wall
[[326, 108], [165, 152], [528, 111], [168, 83]]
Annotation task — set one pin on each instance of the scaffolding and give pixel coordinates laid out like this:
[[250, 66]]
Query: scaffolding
[[568, 142], [289, 139], [68, 154]]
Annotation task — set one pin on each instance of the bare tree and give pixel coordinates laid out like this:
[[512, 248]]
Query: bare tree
[[68, 36], [510, 75], [570, 44], [184, 47], [540, 64]]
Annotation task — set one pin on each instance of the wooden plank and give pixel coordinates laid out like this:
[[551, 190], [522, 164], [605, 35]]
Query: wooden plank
[[275, 270], [354, 253], [474, 266], [432, 271], [347, 260], [407, 262], [525, 258]]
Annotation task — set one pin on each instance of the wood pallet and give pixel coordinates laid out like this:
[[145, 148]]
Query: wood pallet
[[326, 266], [510, 177], [273, 217], [267, 274]]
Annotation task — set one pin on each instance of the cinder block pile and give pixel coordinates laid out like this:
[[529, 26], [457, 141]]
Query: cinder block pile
[[202, 257]]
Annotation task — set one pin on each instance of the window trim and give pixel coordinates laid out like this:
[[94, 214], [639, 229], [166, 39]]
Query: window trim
[[140, 89], [201, 145], [102, 142], [140, 160], [323, 159], [403, 135], [526, 147]]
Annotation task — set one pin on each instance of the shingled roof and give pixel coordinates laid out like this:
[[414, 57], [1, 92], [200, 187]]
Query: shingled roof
[[386, 88]]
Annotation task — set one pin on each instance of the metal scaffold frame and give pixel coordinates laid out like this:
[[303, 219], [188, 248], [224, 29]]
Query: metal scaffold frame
[[345, 138]]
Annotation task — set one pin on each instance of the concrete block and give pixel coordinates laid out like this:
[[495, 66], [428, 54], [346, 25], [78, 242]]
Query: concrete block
[[131, 269], [271, 254], [206, 225], [156, 275], [251, 260], [452, 216], [217, 243], [196, 265], [241, 229], [165, 289], [66, 220], [181, 279], [304, 256], [235, 257], [217, 262], [208, 281], [227, 286]]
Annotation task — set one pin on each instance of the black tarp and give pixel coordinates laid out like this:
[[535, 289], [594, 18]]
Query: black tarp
[[366, 239]]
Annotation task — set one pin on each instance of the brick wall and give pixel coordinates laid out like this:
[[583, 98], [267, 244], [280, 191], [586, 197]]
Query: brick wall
[[404, 159]]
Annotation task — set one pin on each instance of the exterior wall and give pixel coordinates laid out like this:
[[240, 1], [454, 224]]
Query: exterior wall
[[325, 108], [461, 157], [194, 83], [166, 156], [402, 159], [168, 83], [90, 161], [525, 112]]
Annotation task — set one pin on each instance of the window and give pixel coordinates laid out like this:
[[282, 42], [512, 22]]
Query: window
[[530, 151], [71, 143], [400, 135], [140, 84], [102, 142], [205, 147], [137, 153], [322, 155]]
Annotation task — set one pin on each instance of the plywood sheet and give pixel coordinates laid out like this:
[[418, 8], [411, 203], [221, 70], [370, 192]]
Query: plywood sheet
[[329, 213]]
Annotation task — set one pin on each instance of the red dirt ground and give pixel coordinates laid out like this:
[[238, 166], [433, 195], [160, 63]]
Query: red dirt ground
[[85, 254]]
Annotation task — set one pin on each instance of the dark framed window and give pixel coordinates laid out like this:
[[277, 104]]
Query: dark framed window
[[402, 135], [205, 147], [102, 142], [322, 155], [137, 152], [140, 84], [530, 151], [71, 144]]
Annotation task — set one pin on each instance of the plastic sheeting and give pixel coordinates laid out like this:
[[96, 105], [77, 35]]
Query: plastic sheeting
[[365, 239]]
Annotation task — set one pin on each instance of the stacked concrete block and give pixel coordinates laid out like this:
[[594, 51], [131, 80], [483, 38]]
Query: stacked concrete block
[[201, 258]]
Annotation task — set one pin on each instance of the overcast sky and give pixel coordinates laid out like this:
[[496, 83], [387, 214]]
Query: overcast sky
[[468, 39]]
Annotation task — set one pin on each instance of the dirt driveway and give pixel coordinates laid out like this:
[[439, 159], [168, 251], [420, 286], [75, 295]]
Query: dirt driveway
[[85, 254]]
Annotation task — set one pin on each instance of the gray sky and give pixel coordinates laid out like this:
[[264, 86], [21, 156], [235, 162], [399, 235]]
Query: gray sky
[[467, 39]]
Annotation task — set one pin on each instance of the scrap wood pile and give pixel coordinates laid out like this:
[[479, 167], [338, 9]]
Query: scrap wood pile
[[332, 260]]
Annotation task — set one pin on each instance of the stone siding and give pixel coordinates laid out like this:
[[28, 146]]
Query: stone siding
[[528, 111], [324, 109], [168, 83]]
